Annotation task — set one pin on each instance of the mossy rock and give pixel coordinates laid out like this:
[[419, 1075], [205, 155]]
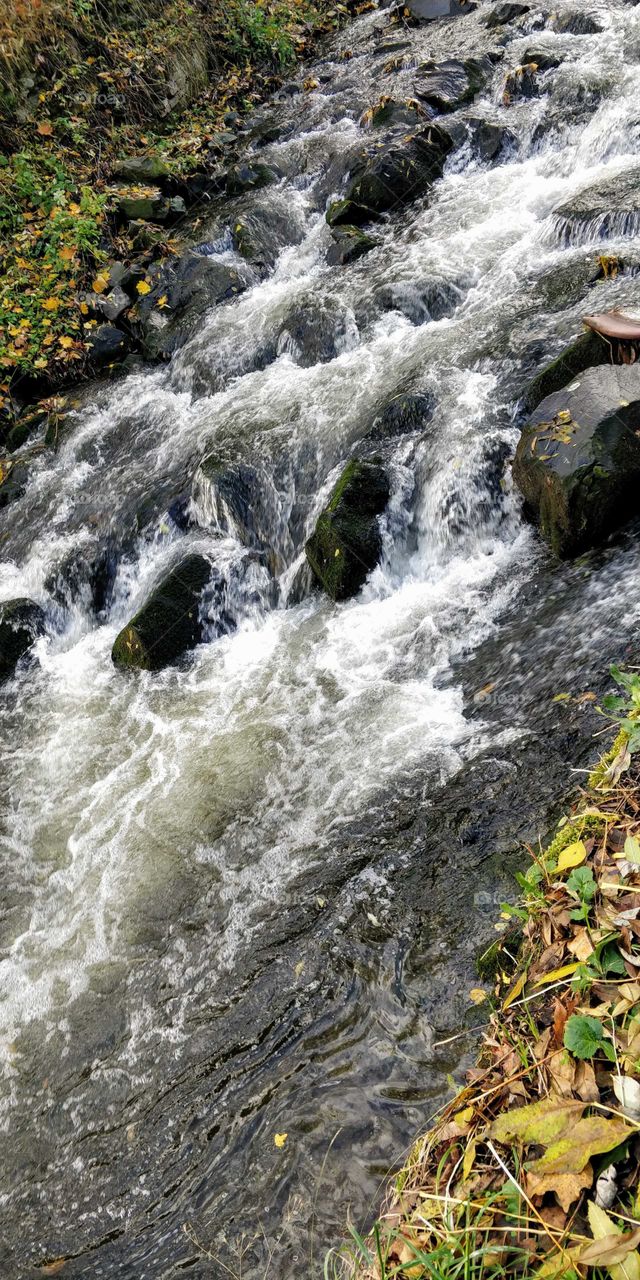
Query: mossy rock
[[349, 244], [151, 208], [21, 622], [346, 213], [578, 461], [141, 169], [346, 543], [169, 624], [393, 176], [584, 353]]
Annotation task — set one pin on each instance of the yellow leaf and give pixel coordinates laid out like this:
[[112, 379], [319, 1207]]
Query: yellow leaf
[[65, 342], [51, 304], [162, 302], [143, 287], [477, 995], [516, 990], [604, 1229], [40, 363], [74, 208], [99, 284], [84, 309], [67, 254], [280, 1139], [572, 856], [469, 1157], [464, 1116], [556, 974]]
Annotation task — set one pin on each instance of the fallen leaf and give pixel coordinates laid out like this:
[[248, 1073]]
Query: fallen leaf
[[100, 283], [571, 1152], [572, 856], [51, 304], [477, 995], [45, 128], [627, 1091], [566, 1186], [516, 990], [540, 1122], [280, 1139], [556, 974], [603, 1228], [143, 287]]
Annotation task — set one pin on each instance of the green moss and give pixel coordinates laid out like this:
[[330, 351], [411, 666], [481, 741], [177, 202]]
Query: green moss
[[597, 776]]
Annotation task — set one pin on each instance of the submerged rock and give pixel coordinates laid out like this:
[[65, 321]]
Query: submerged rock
[[21, 622], [585, 352], [578, 461], [608, 208], [575, 23], [403, 415], [315, 332], [445, 86], [393, 176], [430, 10], [349, 244], [169, 623], [346, 543]]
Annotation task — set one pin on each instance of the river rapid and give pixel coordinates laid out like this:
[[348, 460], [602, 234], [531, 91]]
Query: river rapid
[[243, 896]]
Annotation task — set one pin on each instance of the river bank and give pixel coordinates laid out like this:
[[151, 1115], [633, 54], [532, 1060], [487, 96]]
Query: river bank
[[245, 889], [532, 1168]]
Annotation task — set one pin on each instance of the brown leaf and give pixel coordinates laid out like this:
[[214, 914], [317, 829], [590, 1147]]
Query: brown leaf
[[566, 1186], [44, 128], [570, 1152], [611, 1249]]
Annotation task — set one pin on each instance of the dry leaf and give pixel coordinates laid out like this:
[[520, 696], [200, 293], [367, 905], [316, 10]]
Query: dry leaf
[[566, 1186]]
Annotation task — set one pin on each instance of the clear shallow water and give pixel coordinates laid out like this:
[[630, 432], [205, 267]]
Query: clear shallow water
[[206, 935]]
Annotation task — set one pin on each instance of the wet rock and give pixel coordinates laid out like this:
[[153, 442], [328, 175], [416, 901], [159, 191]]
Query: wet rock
[[396, 175], [249, 177], [578, 460], [13, 479], [421, 300], [445, 86], [402, 416], [183, 290], [609, 208], [233, 498], [347, 213], [314, 333], [143, 235], [170, 622], [346, 543], [151, 208], [584, 353], [504, 13], [150, 169], [522, 82], [575, 23], [488, 141], [388, 112], [269, 224], [109, 305], [106, 345], [542, 59], [349, 244], [430, 10], [21, 622]]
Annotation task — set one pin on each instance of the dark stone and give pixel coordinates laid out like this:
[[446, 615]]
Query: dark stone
[[396, 175], [609, 208], [142, 169], [504, 13], [13, 480], [578, 460], [234, 499], [346, 543], [313, 333], [543, 59], [585, 352], [421, 300], [445, 86], [487, 141], [430, 10], [23, 430], [151, 208], [403, 415], [109, 305], [349, 244], [576, 24], [21, 622], [191, 285], [262, 232], [522, 82], [346, 213], [388, 112], [249, 177], [106, 345], [169, 623]]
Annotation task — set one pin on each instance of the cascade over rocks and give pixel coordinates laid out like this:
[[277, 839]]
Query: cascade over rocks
[[445, 86], [346, 543], [169, 623], [232, 497], [488, 141], [21, 622], [609, 208], [578, 460]]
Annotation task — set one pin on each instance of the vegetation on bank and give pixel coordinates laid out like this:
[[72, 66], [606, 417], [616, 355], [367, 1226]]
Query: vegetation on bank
[[84, 83], [533, 1169]]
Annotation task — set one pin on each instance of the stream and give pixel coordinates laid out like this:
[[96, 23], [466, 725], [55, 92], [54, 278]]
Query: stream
[[244, 896]]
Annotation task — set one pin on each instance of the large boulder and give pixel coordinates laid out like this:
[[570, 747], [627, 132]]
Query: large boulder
[[170, 621], [429, 10], [144, 169], [583, 353], [608, 208], [578, 460], [315, 332], [182, 290], [387, 178], [503, 13], [575, 23], [445, 86], [21, 622], [346, 543]]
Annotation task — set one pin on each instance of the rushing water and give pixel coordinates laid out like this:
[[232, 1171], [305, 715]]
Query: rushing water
[[242, 896]]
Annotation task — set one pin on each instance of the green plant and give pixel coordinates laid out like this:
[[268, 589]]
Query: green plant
[[624, 709]]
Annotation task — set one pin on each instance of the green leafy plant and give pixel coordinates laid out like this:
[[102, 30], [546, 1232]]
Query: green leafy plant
[[624, 708], [584, 1037], [581, 885]]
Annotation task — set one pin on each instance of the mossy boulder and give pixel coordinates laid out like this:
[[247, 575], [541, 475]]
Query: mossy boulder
[[585, 352], [141, 169], [578, 460], [346, 543], [151, 208], [349, 244], [21, 622], [396, 175], [170, 622]]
